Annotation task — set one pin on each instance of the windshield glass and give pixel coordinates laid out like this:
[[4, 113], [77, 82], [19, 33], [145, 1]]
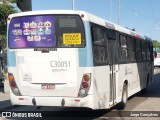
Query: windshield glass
[[46, 31]]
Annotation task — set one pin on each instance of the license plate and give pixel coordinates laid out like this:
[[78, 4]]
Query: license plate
[[48, 86]]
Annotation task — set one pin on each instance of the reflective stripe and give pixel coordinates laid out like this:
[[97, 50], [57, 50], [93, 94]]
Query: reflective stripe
[[85, 54], [11, 61]]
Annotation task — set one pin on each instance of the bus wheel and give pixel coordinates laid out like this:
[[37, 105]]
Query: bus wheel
[[123, 102]]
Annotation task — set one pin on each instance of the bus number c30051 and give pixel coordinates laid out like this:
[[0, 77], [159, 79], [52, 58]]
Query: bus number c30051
[[60, 63]]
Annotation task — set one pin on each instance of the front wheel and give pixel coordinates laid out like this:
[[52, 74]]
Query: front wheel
[[123, 102]]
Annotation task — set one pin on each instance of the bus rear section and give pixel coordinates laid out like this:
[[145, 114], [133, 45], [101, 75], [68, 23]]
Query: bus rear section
[[44, 63]]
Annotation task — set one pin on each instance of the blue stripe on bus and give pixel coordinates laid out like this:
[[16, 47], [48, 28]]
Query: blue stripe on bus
[[11, 61], [85, 54], [11, 55]]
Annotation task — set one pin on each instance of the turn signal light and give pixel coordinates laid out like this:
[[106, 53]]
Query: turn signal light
[[10, 77], [86, 78]]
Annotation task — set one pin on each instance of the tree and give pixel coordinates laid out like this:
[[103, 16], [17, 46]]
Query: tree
[[6, 8], [156, 44], [10, 1]]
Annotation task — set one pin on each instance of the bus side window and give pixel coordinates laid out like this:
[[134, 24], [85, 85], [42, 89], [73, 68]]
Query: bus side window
[[148, 51], [123, 48], [131, 48], [151, 51], [144, 50], [99, 45], [138, 50]]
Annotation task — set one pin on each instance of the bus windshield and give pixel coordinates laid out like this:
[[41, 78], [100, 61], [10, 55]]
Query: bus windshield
[[46, 31]]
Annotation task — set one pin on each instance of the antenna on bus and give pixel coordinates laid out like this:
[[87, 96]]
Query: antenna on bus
[[133, 29], [118, 11]]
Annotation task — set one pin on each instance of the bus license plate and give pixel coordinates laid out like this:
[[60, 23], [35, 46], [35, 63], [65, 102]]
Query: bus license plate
[[48, 86]]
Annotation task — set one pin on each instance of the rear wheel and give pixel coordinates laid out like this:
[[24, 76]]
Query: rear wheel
[[123, 102]]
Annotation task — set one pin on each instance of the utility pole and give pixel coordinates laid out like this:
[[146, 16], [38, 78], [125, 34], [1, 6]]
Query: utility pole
[[110, 10], [72, 4], [118, 12]]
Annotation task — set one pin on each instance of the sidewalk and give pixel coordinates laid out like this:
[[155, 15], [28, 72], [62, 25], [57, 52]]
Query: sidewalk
[[4, 99]]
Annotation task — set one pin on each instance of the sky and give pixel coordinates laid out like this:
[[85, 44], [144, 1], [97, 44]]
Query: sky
[[143, 15]]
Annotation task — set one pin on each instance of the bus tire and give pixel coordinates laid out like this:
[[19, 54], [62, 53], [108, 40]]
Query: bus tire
[[124, 99]]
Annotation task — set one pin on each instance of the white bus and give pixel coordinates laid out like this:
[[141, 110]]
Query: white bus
[[156, 59], [75, 59]]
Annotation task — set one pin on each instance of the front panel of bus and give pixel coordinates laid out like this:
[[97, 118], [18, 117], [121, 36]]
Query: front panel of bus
[[45, 53]]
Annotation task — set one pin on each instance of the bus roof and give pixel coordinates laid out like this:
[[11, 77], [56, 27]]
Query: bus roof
[[87, 16], [116, 27]]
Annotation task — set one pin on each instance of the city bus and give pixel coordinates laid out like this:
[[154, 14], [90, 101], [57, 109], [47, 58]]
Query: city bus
[[157, 60], [69, 58], [156, 54]]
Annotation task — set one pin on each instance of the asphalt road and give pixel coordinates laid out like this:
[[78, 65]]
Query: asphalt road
[[140, 105]]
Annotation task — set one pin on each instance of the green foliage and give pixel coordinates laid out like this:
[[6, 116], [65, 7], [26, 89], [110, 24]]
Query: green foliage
[[156, 44], [11, 1], [5, 10]]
